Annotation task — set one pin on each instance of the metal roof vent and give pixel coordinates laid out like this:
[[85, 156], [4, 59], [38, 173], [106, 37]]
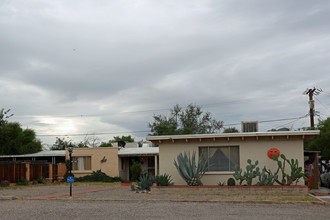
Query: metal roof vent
[[249, 126]]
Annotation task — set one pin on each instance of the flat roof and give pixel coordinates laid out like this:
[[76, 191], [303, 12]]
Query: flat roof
[[138, 151], [46, 153], [312, 133]]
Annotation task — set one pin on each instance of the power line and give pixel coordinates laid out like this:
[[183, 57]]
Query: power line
[[322, 104], [150, 110], [291, 122], [87, 134], [125, 132]]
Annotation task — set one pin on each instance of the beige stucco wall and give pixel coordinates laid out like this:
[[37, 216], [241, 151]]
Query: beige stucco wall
[[110, 167], [248, 149]]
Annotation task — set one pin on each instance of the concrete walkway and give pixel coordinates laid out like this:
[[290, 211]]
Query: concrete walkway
[[322, 193]]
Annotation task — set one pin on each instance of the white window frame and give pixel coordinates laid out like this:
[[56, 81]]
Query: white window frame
[[208, 156]]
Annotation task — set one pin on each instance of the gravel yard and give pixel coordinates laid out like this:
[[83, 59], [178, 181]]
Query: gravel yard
[[115, 202], [42, 190], [104, 192]]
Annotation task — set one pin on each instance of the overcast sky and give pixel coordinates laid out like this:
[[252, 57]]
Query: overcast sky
[[77, 67]]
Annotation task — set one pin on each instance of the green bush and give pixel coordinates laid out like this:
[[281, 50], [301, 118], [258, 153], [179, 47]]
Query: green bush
[[231, 182], [98, 176], [135, 170], [163, 180], [67, 164], [22, 182], [4, 183], [41, 180]]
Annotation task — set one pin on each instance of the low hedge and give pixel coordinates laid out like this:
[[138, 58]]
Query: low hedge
[[98, 176]]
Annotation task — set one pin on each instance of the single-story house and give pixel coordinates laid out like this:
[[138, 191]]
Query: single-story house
[[114, 161], [229, 152]]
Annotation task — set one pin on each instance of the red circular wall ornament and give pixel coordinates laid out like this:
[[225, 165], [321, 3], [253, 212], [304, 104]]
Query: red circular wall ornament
[[273, 151]]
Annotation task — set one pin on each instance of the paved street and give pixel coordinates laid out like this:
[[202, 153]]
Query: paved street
[[59, 209]]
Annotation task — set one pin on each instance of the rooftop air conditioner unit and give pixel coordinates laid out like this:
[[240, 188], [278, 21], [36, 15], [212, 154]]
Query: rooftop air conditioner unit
[[249, 126]]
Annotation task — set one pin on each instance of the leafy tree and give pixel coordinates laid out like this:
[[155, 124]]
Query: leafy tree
[[14, 140], [128, 139], [60, 144], [321, 142], [4, 116], [123, 138], [230, 130], [90, 141], [106, 144], [191, 120]]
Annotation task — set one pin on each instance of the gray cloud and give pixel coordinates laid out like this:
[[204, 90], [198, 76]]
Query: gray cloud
[[122, 62]]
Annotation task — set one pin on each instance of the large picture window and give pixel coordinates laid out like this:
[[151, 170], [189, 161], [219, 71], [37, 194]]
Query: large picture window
[[82, 163], [224, 158]]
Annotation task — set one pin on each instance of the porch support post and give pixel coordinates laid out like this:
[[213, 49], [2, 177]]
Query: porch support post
[[50, 167], [27, 169], [156, 165]]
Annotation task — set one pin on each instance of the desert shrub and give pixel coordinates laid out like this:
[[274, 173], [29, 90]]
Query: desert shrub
[[221, 183], [135, 170], [42, 180], [98, 176], [22, 182], [4, 183], [163, 180]]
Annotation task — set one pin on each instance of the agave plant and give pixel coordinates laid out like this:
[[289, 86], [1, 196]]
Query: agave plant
[[189, 170], [163, 180]]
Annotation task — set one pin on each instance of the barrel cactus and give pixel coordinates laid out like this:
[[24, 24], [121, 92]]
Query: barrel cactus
[[231, 182], [189, 170]]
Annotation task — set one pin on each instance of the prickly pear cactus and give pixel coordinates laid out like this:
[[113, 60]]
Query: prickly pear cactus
[[266, 179], [252, 171], [295, 174]]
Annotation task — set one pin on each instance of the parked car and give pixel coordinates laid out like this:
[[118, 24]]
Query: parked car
[[325, 178]]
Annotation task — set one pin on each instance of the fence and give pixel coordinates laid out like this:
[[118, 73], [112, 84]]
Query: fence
[[33, 170], [38, 171], [12, 171]]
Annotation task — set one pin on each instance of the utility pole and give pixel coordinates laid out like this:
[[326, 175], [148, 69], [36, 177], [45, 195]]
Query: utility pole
[[310, 93]]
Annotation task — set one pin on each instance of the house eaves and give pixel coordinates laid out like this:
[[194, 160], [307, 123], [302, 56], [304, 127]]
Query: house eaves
[[304, 135], [141, 151]]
